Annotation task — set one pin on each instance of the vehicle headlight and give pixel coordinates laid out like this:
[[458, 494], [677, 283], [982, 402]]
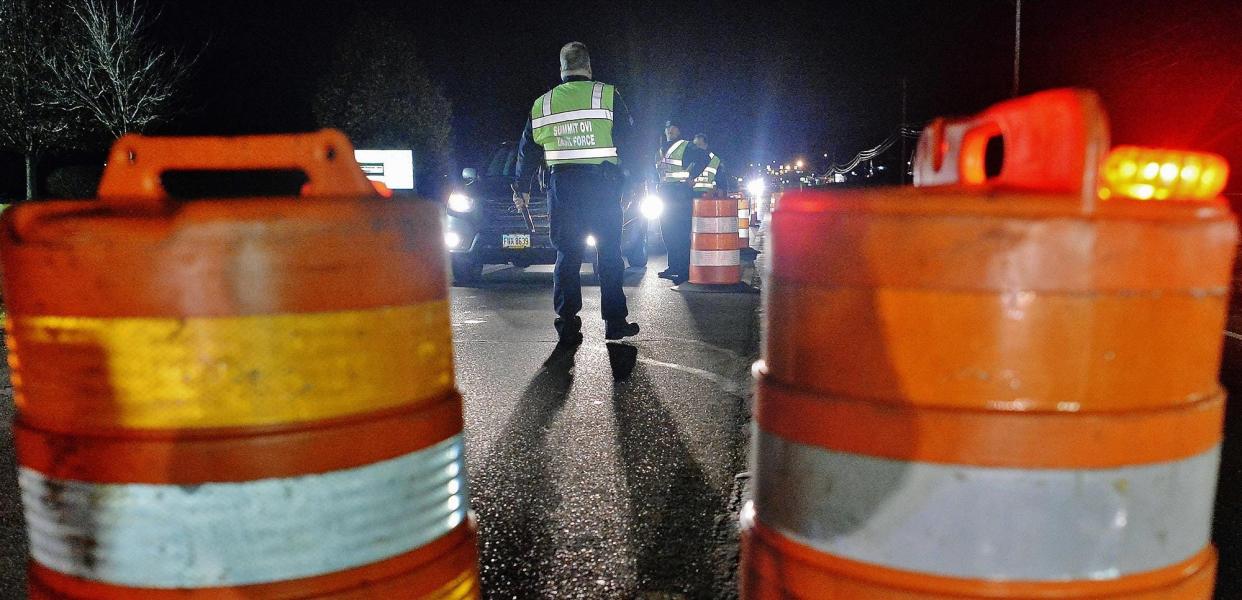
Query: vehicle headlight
[[756, 186], [651, 207], [460, 203], [590, 241], [452, 239]]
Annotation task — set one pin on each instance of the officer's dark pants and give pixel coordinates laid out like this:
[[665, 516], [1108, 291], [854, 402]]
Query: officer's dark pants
[[585, 201], [675, 225]]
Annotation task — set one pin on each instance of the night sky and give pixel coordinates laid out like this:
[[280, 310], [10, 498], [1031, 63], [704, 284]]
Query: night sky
[[766, 82]]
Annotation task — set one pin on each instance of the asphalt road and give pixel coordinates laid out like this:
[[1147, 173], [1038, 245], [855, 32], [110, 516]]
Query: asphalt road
[[609, 473]]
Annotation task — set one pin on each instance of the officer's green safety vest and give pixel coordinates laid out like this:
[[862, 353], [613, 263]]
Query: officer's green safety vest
[[573, 123], [671, 168], [706, 181]]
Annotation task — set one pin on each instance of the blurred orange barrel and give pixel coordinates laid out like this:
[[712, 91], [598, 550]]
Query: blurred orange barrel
[[714, 256], [236, 398], [991, 388]]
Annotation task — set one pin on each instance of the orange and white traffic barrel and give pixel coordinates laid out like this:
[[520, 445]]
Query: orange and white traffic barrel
[[714, 258], [236, 398], [993, 387], [743, 222]]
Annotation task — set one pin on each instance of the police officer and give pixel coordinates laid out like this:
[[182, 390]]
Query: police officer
[[679, 163], [573, 128], [708, 182]]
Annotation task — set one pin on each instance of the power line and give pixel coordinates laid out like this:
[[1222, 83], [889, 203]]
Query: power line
[[1017, 45]]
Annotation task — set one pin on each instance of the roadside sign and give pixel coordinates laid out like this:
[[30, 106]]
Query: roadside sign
[[393, 168]]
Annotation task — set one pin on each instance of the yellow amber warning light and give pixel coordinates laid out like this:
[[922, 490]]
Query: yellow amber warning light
[[1158, 174]]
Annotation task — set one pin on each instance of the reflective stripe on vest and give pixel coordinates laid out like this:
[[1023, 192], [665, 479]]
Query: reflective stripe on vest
[[573, 123], [557, 156], [243, 533], [706, 181], [672, 162], [991, 523]]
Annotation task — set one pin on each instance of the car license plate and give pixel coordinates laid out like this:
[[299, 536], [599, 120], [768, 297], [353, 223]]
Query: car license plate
[[515, 240]]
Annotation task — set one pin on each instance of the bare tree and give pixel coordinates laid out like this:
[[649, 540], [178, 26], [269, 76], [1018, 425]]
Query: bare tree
[[379, 93], [30, 124], [111, 70]]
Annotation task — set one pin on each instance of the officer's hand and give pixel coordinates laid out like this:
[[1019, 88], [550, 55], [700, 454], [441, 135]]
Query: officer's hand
[[521, 200]]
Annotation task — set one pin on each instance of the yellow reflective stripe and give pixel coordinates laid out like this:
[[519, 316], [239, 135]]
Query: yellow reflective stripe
[[464, 587], [201, 372]]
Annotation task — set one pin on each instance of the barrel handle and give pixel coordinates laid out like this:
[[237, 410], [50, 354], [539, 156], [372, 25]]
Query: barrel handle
[[136, 163], [1054, 142]]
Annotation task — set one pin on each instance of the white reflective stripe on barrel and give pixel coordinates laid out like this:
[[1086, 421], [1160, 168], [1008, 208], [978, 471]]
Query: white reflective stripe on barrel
[[715, 258], [572, 115], [986, 523], [226, 534], [714, 225]]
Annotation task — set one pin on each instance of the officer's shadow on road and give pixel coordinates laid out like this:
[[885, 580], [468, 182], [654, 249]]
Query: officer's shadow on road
[[621, 358], [514, 492], [631, 277], [673, 507]]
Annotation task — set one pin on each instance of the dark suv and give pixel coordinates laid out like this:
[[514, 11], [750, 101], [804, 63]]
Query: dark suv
[[484, 227]]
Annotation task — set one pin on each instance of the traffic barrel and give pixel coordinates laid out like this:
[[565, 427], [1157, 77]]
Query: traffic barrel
[[743, 222], [715, 259], [236, 398], [992, 387]]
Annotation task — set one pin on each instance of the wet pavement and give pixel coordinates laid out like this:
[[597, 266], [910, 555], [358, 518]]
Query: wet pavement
[[610, 472]]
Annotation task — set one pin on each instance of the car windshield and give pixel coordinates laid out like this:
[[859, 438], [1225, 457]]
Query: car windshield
[[503, 163]]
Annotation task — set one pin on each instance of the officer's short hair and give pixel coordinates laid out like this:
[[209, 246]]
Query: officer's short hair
[[574, 57], [700, 135]]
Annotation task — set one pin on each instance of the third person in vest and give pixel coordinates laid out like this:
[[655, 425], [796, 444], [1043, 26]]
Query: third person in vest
[[709, 183], [574, 128], [680, 162]]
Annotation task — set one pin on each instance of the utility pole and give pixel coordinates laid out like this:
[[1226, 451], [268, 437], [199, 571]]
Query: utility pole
[[1017, 45]]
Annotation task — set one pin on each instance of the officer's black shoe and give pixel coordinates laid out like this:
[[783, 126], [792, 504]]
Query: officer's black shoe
[[678, 279], [615, 330], [666, 274], [568, 330]]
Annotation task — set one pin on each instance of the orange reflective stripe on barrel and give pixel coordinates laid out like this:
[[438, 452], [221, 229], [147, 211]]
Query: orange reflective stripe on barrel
[[236, 398]]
